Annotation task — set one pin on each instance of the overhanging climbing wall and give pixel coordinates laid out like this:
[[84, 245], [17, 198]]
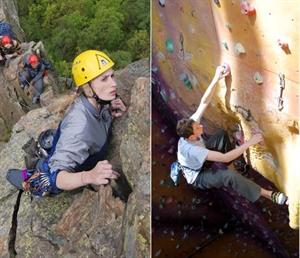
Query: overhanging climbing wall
[[260, 42]]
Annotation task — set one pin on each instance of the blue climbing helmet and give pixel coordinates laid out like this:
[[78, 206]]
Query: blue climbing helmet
[[6, 29]]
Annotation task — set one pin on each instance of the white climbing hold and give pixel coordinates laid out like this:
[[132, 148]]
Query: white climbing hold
[[162, 2], [191, 29], [164, 95], [186, 56], [239, 49], [228, 26], [173, 95], [194, 80], [160, 56], [258, 78]]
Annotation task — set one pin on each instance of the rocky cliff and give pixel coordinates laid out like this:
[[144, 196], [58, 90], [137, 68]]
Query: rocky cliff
[[84, 223]]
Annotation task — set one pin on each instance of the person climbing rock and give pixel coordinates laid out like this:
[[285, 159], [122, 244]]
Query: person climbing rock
[[34, 70], [77, 156], [202, 162], [9, 48]]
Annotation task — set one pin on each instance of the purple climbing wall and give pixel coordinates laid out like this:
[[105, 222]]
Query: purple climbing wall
[[260, 42]]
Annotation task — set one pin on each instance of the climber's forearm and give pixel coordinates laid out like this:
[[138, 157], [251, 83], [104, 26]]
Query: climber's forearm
[[229, 156], [205, 100], [69, 181]]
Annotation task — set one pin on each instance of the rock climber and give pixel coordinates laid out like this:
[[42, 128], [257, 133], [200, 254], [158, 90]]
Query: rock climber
[[77, 158], [34, 70], [9, 48], [202, 163]]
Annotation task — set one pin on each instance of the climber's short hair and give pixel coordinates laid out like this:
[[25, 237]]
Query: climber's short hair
[[185, 127]]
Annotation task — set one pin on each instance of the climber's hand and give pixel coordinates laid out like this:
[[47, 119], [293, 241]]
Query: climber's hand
[[220, 72], [117, 107], [256, 138], [8, 56], [101, 174]]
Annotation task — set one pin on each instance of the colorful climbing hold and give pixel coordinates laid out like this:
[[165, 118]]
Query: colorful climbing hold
[[185, 78], [170, 45], [224, 44], [217, 2], [228, 26], [283, 43], [164, 95], [258, 78], [162, 3], [247, 9], [160, 56], [239, 49]]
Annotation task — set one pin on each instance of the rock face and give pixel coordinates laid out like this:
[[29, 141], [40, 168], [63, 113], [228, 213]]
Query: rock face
[[15, 101], [206, 34], [9, 13], [84, 223]]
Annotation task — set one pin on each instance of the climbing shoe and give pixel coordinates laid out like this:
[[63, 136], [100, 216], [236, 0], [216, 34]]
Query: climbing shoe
[[17, 176], [279, 198]]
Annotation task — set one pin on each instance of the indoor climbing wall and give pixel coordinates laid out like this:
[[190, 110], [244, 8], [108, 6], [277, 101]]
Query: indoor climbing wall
[[259, 40]]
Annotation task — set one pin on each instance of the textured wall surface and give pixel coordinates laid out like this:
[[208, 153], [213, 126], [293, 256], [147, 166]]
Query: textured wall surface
[[84, 223], [190, 38]]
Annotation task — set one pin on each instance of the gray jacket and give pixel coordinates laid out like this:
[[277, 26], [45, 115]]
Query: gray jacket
[[84, 132]]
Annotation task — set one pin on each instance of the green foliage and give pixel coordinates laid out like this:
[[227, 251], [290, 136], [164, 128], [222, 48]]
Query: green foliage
[[68, 27]]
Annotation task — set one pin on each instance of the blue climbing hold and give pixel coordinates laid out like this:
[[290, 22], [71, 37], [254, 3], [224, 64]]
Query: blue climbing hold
[[170, 45]]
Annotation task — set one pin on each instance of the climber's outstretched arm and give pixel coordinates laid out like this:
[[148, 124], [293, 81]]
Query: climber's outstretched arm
[[99, 175], [233, 154], [207, 97]]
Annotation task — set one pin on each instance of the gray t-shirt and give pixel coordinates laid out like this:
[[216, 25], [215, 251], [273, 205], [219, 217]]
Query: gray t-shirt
[[84, 131], [191, 155]]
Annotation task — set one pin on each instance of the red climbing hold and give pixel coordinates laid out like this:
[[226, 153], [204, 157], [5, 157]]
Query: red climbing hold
[[226, 70], [247, 9]]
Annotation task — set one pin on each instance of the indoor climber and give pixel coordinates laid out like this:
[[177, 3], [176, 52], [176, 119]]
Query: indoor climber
[[77, 156], [202, 162], [34, 70], [9, 48]]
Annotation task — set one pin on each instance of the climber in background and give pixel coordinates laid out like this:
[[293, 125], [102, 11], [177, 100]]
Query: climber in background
[[202, 162], [32, 75], [9, 48], [77, 155]]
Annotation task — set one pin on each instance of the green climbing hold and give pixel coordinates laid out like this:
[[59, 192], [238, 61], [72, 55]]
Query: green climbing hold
[[170, 45], [185, 78]]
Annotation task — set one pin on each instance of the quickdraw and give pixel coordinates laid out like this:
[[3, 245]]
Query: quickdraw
[[181, 39], [282, 87]]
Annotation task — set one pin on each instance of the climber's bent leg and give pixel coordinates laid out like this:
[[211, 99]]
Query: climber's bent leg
[[247, 188], [24, 79], [37, 90]]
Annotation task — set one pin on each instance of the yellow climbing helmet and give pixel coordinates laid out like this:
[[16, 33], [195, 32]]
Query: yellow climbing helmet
[[90, 64]]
